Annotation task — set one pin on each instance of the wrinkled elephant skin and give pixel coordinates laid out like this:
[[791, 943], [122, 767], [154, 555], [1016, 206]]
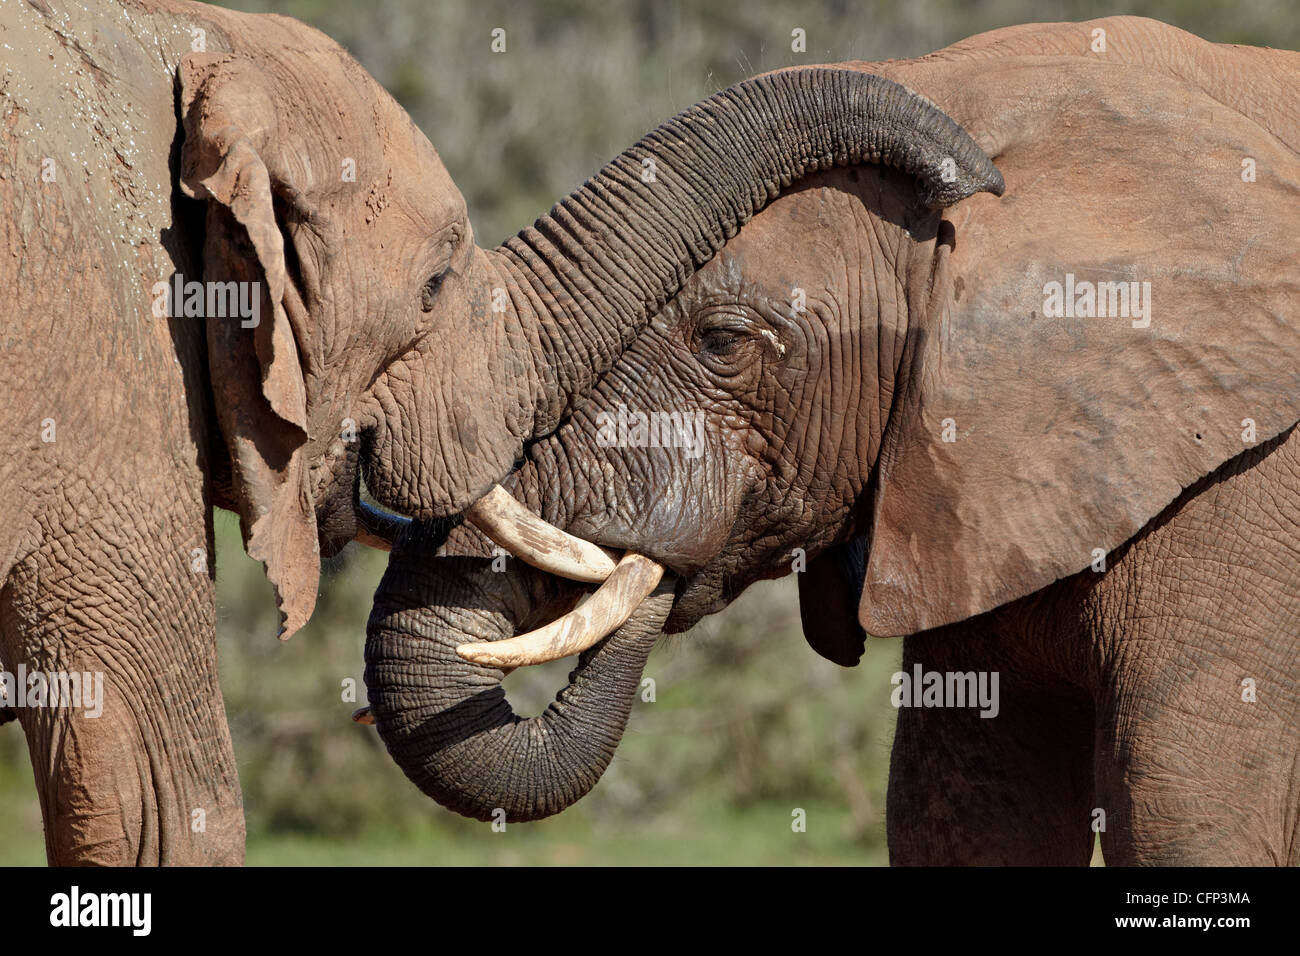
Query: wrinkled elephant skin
[[1046, 435]]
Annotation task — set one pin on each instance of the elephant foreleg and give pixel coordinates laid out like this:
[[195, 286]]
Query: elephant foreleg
[[1196, 749], [140, 770], [1012, 788], [1197, 655]]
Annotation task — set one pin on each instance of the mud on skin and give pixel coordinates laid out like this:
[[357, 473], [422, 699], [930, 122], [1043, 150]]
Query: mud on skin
[[269, 156]]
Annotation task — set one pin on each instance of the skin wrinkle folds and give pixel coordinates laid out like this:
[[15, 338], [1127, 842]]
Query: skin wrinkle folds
[[754, 399], [980, 545]]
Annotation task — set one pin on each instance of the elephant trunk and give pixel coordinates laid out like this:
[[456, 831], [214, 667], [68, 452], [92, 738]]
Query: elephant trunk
[[612, 253], [447, 722]]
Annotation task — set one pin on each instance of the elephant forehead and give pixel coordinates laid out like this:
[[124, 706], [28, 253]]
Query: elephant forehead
[[357, 144], [801, 235], [417, 176]]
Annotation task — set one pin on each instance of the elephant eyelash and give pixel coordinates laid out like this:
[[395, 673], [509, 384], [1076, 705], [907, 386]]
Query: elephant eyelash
[[720, 342], [429, 293], [721, 332]]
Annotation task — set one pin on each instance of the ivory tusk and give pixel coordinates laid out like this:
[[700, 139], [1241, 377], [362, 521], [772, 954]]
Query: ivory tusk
[[586, 625], [511, 525], [362, 715]]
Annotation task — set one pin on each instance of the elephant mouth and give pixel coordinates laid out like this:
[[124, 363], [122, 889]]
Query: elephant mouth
[[625, 581], [375, 526]]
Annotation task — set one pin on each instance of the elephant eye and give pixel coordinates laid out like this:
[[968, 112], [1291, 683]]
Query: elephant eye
[[720, 342], [430, 291], [720, 334]]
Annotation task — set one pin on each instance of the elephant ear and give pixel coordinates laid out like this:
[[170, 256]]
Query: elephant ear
[[258, 385], [830, 590], [1027, 444]]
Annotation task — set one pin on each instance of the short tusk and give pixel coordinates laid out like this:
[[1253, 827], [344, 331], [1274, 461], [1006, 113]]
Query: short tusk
[[529, 538], [378, 529], [586, 625], [362, 715]]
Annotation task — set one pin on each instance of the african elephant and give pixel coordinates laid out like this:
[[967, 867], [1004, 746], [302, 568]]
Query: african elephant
[[1092, 498], [239, 276]]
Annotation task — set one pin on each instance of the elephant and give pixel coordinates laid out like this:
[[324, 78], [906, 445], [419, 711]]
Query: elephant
[[1044, 434], [240, 277]]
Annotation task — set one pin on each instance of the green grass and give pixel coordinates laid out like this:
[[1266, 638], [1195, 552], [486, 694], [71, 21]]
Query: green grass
[[752, 835], [22, 841]]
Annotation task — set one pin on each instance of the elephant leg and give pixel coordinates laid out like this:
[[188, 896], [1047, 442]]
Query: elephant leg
[[1196, 755], [143, 771], [1198, 705], [1010, 789], [1194, 766], [1162, 811]]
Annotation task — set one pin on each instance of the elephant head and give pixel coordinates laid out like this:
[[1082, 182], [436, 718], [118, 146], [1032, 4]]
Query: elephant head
[[398, 353], [876, 394], [453, 717]]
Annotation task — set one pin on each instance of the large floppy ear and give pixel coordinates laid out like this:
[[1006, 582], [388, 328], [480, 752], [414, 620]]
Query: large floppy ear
[[1119, 325], [257, 378], [830, 590]]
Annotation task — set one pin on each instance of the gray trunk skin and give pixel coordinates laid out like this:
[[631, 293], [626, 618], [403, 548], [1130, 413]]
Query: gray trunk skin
[[447, 722]]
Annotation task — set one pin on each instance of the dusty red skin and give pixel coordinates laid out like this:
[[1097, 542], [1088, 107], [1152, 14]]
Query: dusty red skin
[[150, 139]]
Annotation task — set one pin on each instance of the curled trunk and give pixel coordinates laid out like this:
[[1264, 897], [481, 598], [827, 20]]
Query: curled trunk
[[447, 722]]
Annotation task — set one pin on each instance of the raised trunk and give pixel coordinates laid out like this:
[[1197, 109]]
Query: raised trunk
[[612, 253], [447, 722]]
